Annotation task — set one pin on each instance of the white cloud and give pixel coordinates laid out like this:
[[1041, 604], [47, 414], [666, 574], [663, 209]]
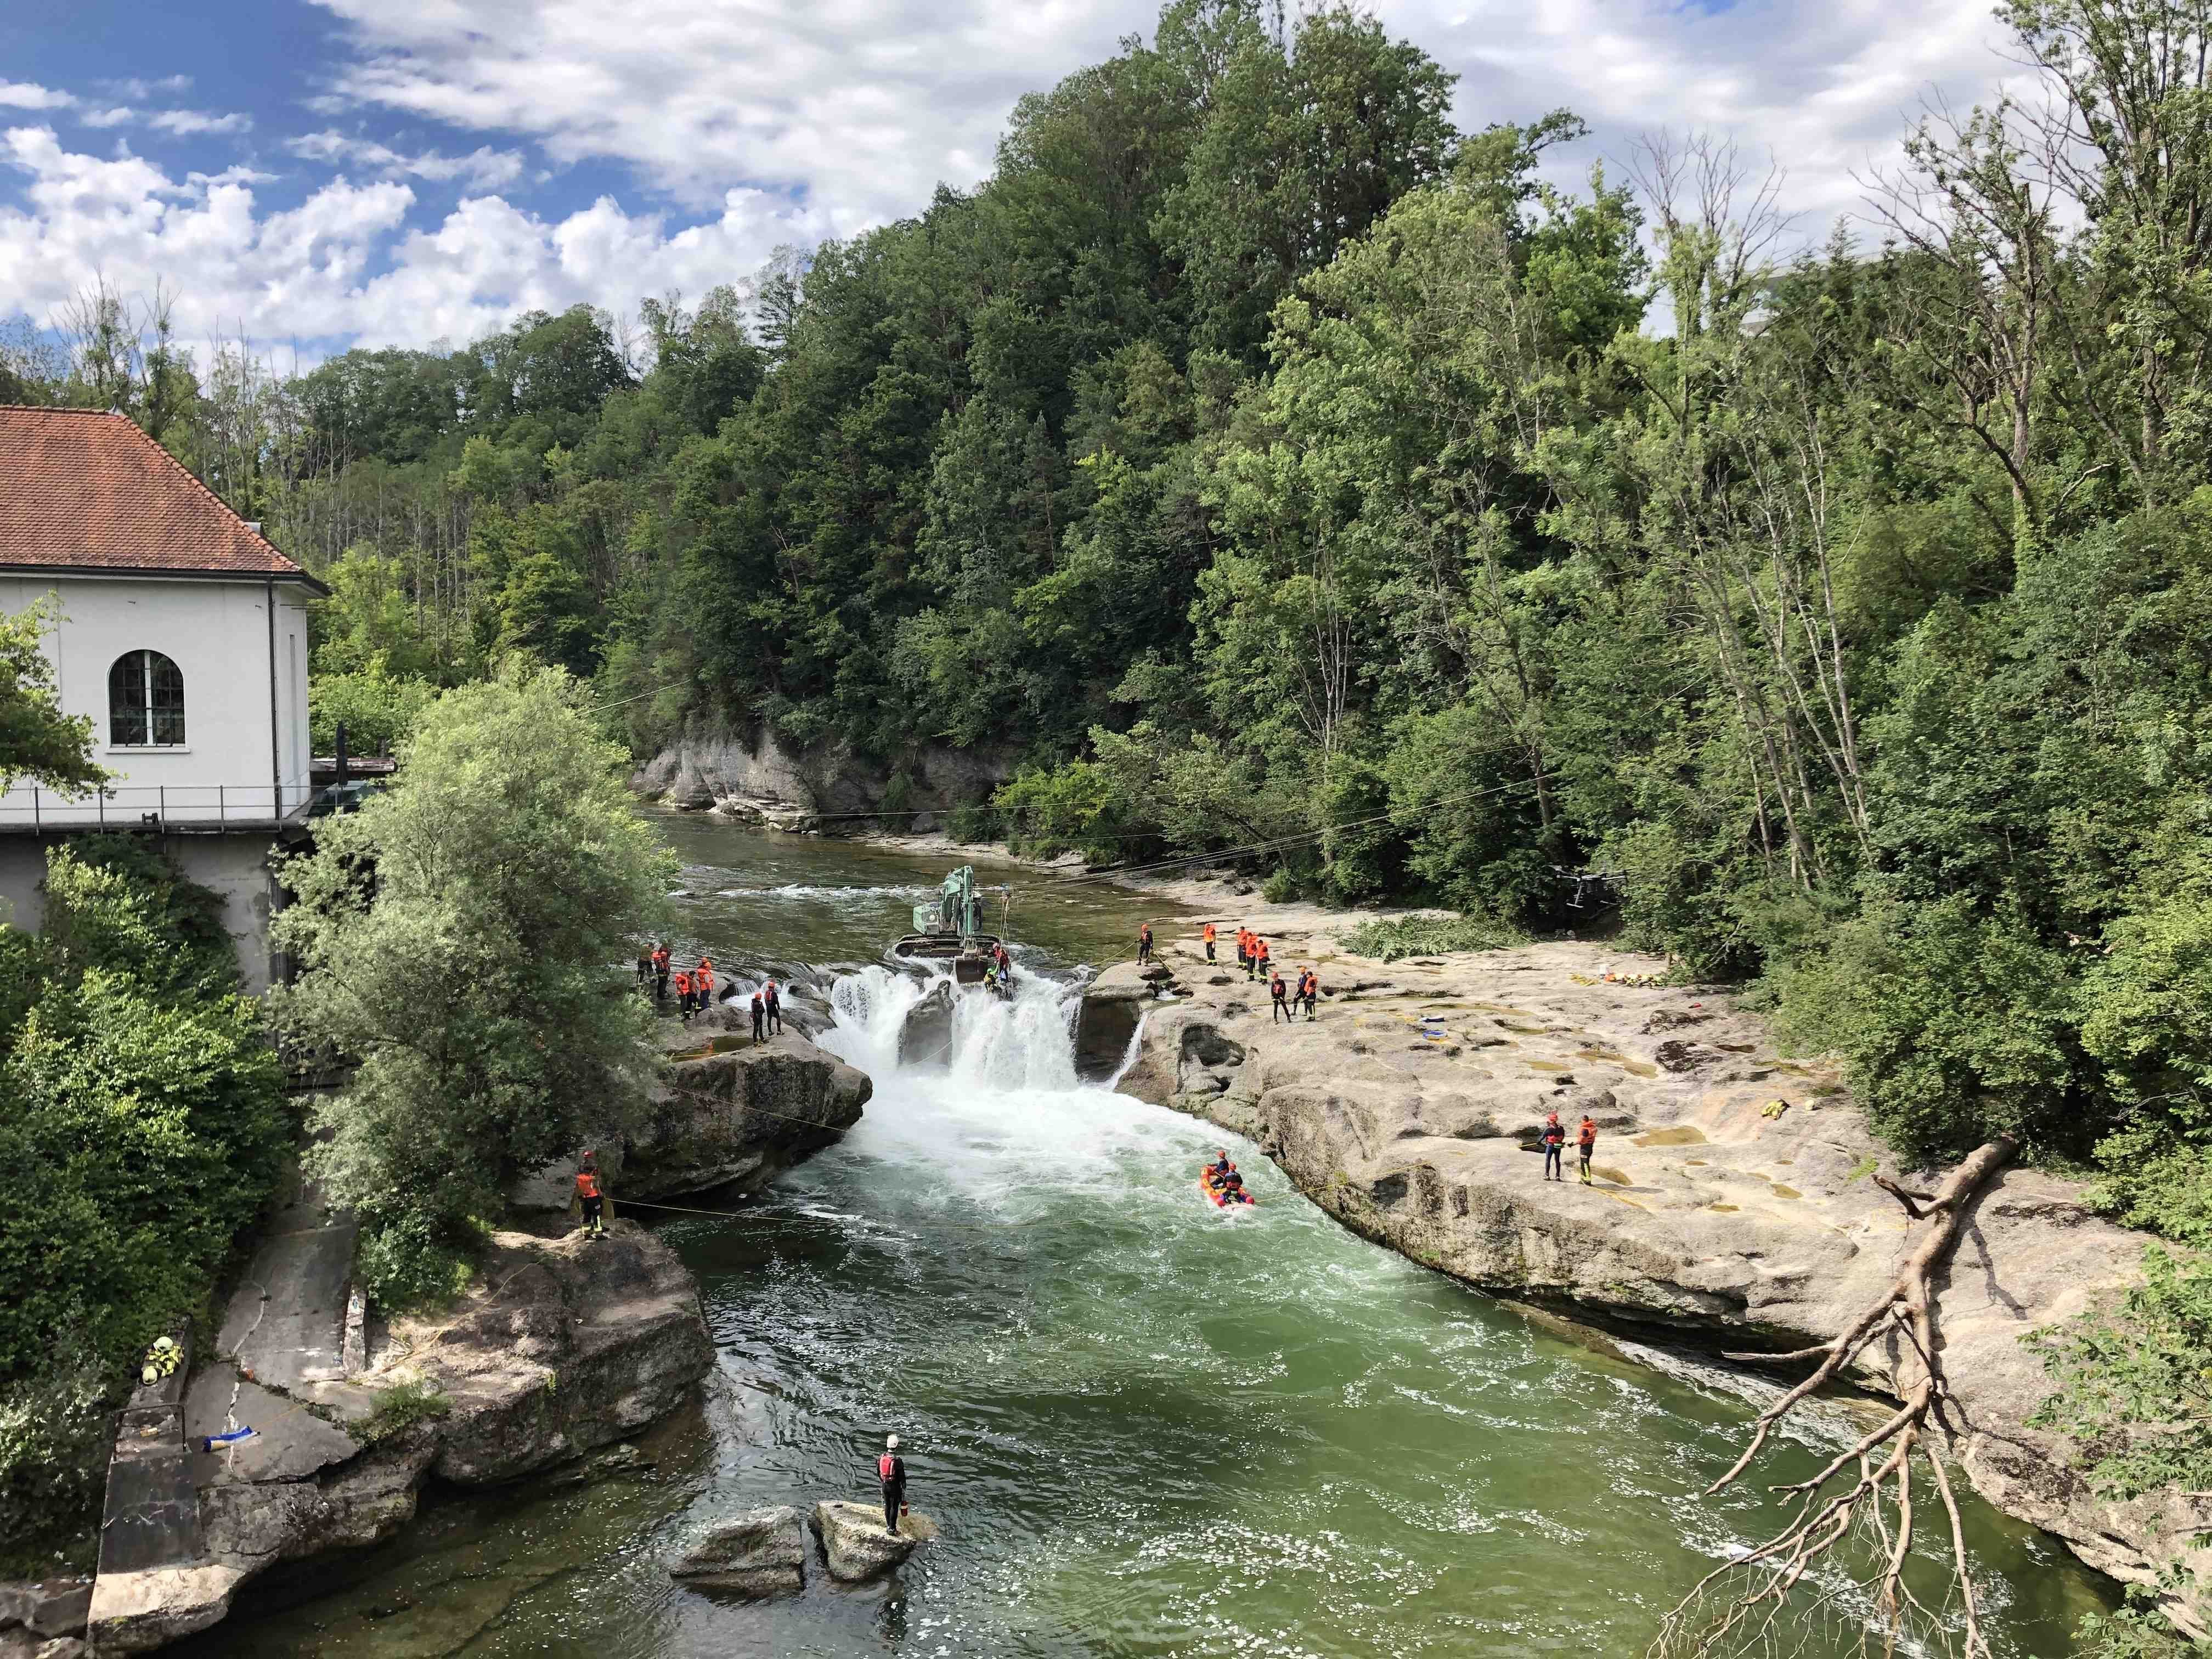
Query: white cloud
[[343, 264], [138, 91], [120, 115], [23, 95], [482, 169], [865, 104], [186, 123]]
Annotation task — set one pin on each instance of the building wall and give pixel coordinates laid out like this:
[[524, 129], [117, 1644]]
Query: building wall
[[236, 866], [218, 634]]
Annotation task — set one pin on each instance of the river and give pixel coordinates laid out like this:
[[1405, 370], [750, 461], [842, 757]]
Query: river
[[1145, 1427]]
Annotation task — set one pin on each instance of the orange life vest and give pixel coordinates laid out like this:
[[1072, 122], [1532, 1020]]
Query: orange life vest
[[587, 1183], [683, 979], [1588, 1136], [1209, 932]]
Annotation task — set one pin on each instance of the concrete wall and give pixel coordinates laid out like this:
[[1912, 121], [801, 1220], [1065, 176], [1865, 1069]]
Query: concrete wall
[[235, 866], [218, 634]]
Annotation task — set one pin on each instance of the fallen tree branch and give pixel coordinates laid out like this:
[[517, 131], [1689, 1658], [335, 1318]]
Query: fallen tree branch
[[1753, 1599]]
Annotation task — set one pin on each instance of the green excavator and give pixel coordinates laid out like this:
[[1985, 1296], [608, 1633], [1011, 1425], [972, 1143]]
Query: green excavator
[[952, 929]]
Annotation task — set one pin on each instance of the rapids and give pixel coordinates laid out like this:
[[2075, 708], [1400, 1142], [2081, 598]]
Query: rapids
[[1147, 1427]]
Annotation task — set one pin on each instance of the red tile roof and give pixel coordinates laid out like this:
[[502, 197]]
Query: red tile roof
[[85, 490]]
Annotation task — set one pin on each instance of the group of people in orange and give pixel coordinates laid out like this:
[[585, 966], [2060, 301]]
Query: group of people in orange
[[695, 989], [1555, 1143], [1255, 958]]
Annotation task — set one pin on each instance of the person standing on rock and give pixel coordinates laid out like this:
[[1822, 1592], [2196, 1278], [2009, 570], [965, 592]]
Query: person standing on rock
[[772, 1006], [1555, 1141], [1586, 1143], [1144, 943], [890, 1469], [702, 981], [589, 1195], [1207, 935], [1310, 990], [1243, 947], [644, 969], [683, 995], [1277, 990], [760, 1017], [1262, 960], [660, 960]]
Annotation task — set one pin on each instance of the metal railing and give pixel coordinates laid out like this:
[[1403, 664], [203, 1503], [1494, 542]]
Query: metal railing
[[147, 806]]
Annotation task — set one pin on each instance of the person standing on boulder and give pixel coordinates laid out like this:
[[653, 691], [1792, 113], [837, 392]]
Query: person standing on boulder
[[1586, 1143], [1144, 943], [890, 1469], [1555, 1140], [760, 1017], [1278, 990], [589, 1195], [772, 1006], [1310, 990], [683, 995], [660, 960]]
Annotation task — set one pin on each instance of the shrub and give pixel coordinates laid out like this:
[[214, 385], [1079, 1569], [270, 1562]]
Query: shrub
[[399, 1407], [1428, 936], [54, 1442], [408, 1260]]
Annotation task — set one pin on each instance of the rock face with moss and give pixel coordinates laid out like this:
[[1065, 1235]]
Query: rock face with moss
[[558, 1346], [1732, 1202]]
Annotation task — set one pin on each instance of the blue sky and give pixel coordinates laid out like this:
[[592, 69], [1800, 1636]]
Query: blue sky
[[313, 174]]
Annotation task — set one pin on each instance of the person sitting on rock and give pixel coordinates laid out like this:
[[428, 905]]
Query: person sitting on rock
[[890, 1469], [1586, 1143], [1555, 1140]]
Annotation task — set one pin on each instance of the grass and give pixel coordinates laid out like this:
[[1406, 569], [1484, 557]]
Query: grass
[[400, 1407], [1429, 936]]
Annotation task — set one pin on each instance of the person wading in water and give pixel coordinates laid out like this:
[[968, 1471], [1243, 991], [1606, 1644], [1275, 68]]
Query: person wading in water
[[890, 1469]]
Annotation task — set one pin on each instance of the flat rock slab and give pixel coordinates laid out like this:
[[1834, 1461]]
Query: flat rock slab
[[286, 1323], [46, 1608], [855, 1544], [762, 1552], [290, 1442]]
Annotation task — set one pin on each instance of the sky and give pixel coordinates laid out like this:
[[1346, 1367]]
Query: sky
[[313, 175]]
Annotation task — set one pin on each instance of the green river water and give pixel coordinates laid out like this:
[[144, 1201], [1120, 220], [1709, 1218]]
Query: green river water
[[1145, 1427]]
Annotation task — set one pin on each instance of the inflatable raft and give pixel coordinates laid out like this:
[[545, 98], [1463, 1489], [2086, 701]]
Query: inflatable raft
[[1221, 1199]]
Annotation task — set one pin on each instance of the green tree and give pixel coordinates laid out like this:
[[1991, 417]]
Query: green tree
[[455, 937], [38, 742]]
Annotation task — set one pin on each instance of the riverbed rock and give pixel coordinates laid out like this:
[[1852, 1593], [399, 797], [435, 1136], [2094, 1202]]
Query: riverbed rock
[[760, 1553], [45, 1608], [1107, 1016], [926, 1035], [854, 1543], [732, 1120], [1716, 1216]]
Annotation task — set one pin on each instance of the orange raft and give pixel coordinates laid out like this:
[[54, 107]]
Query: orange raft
[[1221, 1199]]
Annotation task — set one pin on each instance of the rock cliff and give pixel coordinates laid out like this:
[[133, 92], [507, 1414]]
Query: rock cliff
[[1410, 1111], [733, 1117], [758, 779], [558, 1346]]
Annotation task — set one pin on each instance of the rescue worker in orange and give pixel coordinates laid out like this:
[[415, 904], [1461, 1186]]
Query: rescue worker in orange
[[1586, 1143], [660, 973], [1245, 949], [1276, 989], [1263, 961], [589, 1195], [703, 982], [683, 995], [1555, 1139], [1208, 937], [1308, 990]]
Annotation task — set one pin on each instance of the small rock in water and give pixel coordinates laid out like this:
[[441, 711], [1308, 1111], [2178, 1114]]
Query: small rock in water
[[855, 1544], [760, 1553]]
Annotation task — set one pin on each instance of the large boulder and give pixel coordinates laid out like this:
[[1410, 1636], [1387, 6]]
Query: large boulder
[[1112, 1007], [926, 1033], [760, 1553], [854, 1541], [732, 1120]]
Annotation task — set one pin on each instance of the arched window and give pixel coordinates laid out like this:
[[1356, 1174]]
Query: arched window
[[145, 700]]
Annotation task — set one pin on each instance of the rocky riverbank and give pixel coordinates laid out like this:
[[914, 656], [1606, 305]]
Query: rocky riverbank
[[751, 777], [1733, 1205]]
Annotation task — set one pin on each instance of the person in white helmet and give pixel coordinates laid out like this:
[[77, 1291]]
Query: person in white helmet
[[892, 1470]]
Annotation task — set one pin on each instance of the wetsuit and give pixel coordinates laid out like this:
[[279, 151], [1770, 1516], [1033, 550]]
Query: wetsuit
[[774, 1008], [760, 1017], [890, 1469], [1555, 1140]]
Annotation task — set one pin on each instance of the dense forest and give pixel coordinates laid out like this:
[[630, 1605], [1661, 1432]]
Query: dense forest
[[1256, 464]]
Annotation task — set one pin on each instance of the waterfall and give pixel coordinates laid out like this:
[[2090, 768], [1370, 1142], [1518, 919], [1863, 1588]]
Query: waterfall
[[1023, 1043]]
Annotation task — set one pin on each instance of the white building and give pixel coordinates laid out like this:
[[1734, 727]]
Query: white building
[[183, 635]]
